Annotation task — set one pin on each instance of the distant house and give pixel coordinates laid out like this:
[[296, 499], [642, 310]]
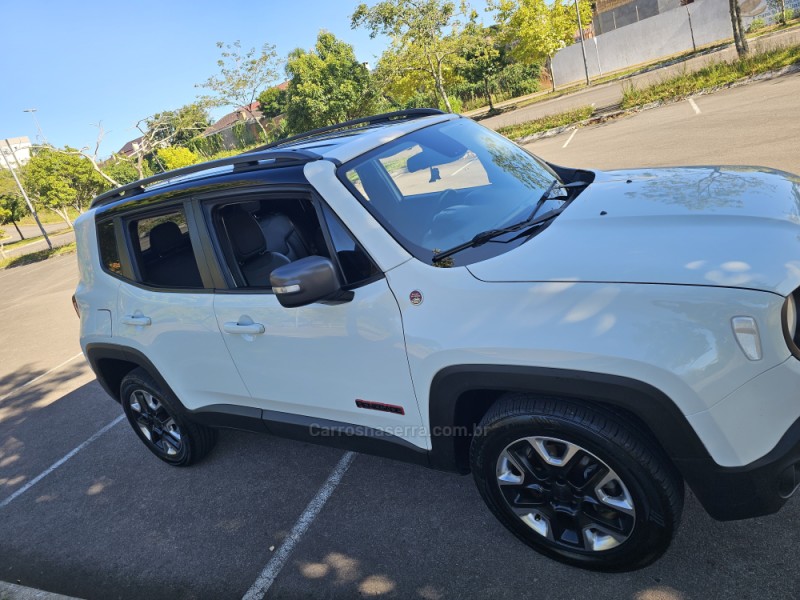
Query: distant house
[[131, 148], [18, 154], [240, 125], [238, 128]]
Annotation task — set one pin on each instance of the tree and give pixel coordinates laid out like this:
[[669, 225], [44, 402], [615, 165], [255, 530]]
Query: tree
[[62, 179], [739, 37], [483, 61], [243, 76], [424, 33], [12, 209], [124, 170], [535, 30], [175, 157], [327, 85], [272, 102], [177, 127]]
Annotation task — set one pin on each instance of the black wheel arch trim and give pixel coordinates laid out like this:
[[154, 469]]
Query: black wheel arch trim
[[98, 351], [755, 486]]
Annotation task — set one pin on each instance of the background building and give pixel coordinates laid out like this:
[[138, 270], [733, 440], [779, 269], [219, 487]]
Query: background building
[[19, 154]]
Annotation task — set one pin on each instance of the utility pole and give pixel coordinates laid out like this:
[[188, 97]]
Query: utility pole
[[583, 43], [36, 121], [24, 194], [691, 29]]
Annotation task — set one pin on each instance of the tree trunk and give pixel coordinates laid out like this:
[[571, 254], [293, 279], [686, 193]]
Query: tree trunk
[[739, 37], [22, 237], [488, 94], [62, 212], [782, 6], [440, 87], [260, 124], [549, 65]]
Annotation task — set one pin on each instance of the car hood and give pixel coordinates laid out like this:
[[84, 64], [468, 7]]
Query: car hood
[[716, 226]]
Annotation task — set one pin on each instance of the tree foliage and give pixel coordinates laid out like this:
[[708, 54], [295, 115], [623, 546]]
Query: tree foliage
[[327, 85], [483, 60], [175, 157], [536, 30], [124, 170], [272, 102], [424, 34], [243, 76], [12, 209], [62, 179], [177, 127]]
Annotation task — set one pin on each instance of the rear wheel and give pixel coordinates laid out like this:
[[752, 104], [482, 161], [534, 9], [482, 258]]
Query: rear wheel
[[579, 484], [157, 418]]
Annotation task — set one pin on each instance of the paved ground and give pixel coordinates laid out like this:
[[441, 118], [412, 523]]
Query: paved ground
[[113, 522], [610, 94], [30, 231]]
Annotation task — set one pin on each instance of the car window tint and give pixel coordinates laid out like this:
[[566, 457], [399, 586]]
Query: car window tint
[[163, 251], [107, 246]]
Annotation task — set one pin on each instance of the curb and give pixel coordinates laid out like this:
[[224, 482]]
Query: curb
[[10, 591]]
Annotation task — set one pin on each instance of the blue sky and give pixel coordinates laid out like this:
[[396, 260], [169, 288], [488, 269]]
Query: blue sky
[[79, 63]]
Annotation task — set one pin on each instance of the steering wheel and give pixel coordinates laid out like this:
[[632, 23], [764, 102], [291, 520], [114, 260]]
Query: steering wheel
[[447, 198]]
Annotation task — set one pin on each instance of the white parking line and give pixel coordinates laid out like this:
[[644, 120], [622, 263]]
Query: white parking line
[[694, 106], [58, 463], [574, 131], [35, 379], [274, 566]]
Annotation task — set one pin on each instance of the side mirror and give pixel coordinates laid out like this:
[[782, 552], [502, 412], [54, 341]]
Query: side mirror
[[306, 281]]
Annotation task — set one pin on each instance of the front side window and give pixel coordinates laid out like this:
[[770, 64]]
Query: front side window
[[440, 186], [163, 252]]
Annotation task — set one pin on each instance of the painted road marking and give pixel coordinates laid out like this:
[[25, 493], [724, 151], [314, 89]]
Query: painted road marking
[[274, 566], [35, 379], [574, 131], [58, 463], [694, 106]]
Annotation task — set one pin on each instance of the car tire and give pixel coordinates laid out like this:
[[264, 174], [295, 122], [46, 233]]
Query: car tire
[[158, 418], [580, 484]]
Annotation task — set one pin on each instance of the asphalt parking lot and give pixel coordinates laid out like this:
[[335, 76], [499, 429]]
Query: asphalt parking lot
[[87, 511]]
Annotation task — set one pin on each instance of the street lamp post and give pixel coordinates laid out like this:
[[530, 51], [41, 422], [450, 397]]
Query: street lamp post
[[583, 43], [36, 121], [24, 194]]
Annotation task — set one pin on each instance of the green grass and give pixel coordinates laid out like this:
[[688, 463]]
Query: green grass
[[538, 125], [710, 77], [34, 257]]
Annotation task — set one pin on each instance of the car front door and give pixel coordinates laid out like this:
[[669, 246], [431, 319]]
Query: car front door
[[345, 363]]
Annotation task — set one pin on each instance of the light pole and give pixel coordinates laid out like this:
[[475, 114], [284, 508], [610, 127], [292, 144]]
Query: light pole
[[583, 43], [36, 121], [22, 191]]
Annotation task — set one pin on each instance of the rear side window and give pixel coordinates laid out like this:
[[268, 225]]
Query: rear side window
[[107, 246], [163, 251]]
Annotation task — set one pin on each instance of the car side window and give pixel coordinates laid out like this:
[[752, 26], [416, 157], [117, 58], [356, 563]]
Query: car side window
[[357, 267], [162, 250], [259, 235], [107, 247]]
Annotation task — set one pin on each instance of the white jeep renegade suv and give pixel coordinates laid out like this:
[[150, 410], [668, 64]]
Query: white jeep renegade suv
[[416, 286]]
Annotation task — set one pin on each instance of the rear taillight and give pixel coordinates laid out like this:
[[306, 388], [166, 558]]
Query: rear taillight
[[75, 306]]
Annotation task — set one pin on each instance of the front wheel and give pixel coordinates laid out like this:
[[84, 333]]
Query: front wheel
[[578, 484], [158, 419]]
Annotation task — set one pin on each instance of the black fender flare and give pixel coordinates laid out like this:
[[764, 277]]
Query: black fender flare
[[651, 406]]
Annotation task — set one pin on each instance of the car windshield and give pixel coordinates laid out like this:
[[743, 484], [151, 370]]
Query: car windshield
[[438, 187]]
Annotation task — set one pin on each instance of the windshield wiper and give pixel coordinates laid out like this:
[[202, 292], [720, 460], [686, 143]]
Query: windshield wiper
[[532, 221]]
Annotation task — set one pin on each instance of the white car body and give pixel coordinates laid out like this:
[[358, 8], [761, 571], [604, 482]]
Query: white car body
[[638, 280]]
